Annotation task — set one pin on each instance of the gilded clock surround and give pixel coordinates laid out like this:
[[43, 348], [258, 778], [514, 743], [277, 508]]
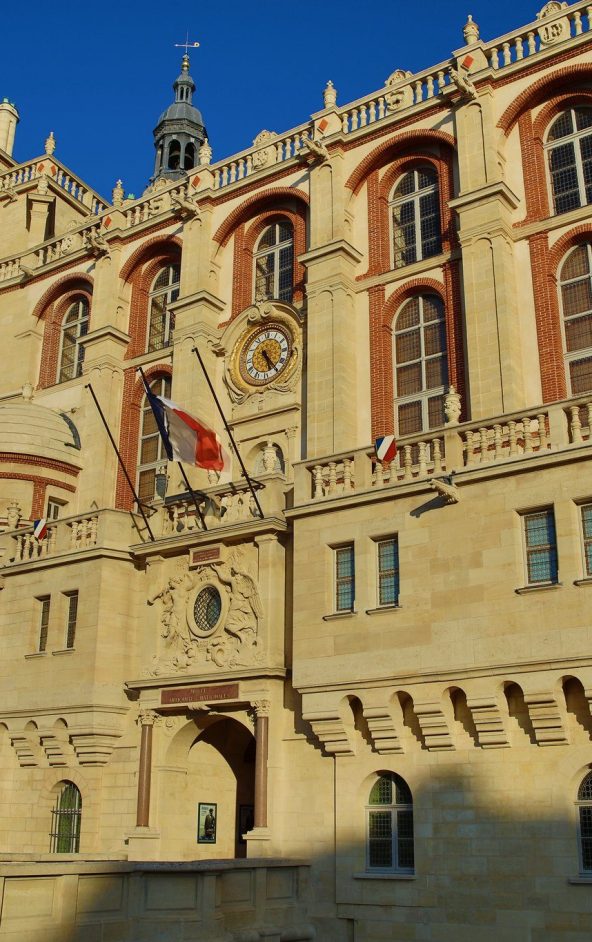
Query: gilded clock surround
[[264, 344]]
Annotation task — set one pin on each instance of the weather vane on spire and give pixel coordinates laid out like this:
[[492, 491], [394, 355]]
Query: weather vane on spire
[[186, 45]]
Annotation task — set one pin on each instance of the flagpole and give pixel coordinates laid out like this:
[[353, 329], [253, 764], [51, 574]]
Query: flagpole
[[121, 464], [181, 468], [230, 435]]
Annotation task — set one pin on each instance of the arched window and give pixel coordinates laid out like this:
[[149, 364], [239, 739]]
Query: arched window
[[415, 213], [421, 366], [274, 263], [151, 455], [165, 290], [569, 145], [575, 285], [585, 823], [189, 160], [389, 844], [174, 155], [66, 815], [74, 326]]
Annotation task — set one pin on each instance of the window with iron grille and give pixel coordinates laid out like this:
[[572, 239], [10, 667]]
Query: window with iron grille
[[415, 215], [151, 452], [345, 586], [569, 151], [421, 365], [584, 803], [72, 601], [575, 287], [44, 604], [66, 818], [541, 547], [74, 328], [389, 817], [586, 511], [161, 321], [387, 552], [274, 263]]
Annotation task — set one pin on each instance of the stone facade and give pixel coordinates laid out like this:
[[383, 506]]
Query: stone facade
[[360, 666]]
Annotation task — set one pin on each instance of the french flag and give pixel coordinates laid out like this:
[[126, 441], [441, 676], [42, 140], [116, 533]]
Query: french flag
[[185, 437], [386, 448], [40, 528]]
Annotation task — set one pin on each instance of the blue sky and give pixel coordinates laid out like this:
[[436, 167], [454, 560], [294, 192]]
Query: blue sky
[[99, 74]]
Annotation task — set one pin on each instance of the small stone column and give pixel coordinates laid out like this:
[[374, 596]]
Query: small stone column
[[146, 719], [261, 708]]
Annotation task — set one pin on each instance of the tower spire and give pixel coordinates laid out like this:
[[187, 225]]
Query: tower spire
[[180, 131]]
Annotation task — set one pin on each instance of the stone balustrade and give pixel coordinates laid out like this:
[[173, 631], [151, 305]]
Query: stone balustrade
[[106, 529], [153, 204], [271, 149], [222, 506], [549, 31], [58, 174], [456, 448]]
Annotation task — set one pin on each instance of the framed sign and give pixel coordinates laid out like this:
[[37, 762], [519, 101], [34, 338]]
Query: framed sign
[[246, 821], [207, 820]]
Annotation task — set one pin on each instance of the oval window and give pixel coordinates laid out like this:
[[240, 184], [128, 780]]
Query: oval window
[[207, 608]]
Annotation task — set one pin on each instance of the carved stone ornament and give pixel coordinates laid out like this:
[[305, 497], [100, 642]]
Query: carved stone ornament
[[556, 31], [185, 207], [330, 95], [549, 9], [148, 718], [210, 615], [265, 153], [118, 193], [463, 83], [205, 154], [398, 96], [50, 144], [280, 318], [262, 707], [470, 31], [452, 406], [43, 185], [311, 151], [13, 514]]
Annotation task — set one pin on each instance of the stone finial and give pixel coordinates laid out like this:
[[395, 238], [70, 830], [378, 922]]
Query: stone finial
[[27, 391], [13, 514], [50, 143], [205, 154], [330, 95], [470, 31], [118, 193], [452, 406]]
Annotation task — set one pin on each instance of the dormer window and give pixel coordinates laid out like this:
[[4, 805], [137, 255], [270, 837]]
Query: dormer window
[[274, 263]]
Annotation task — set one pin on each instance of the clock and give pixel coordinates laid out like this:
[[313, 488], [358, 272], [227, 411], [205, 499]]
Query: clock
[[265, 354]]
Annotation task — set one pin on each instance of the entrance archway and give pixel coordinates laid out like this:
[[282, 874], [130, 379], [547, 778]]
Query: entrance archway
[[210, 763]]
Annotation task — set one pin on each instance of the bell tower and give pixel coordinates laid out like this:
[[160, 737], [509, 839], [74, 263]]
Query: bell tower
[[180, 131]]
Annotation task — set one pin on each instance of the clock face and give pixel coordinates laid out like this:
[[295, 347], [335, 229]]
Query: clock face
[[265, 355]]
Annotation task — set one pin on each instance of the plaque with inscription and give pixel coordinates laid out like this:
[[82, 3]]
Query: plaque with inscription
[[200, 557], [198, 694]]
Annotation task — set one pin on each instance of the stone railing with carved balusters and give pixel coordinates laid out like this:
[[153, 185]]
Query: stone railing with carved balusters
[[222, 506], [549, 31], [268, 149], [579, 421], [105, 529], [508, 438], [413, 460], [153, 204], [59, 175]]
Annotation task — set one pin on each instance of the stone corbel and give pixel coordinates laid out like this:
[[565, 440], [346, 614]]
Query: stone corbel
[[312, 151], [385, 738], [489, 722], [27, 748], [330, 731], [446, 489], [547, 718], [97, 246], [434, 727], [185, 208]]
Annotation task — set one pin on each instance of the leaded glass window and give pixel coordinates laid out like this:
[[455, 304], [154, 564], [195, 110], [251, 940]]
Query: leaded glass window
[[569, 148], [389, 814], [344, 578], [74, 327], [274, 263], [388, 571], [421, 365], [585, 813], [207, 608], [151, 451], [415, 213], [575, 285], [541, 547], [586, 511], [161, 321]]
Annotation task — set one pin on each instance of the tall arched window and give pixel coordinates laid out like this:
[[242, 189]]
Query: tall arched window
[[584, 803], [389, 814], [151, 454], [74, 327], [415, 213], [274, 263], [161, 323], [421, 365], [66, 818], [575, 285], [569, 146]]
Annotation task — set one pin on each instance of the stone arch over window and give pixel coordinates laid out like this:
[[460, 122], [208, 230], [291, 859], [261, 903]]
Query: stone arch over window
[[584, 806], [389, 825], [140, 273], [273, 260], [420, 364], [569, 158], [74, 328], [575, 299], [415, 216], [161, 321], [66, 819], [53, 308], [151, 454]]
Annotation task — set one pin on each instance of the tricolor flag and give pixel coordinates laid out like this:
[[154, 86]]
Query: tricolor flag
[[40, 528], [386, 448], [185, 437]]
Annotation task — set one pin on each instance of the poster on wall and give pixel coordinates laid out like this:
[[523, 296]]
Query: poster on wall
[[207, 818]]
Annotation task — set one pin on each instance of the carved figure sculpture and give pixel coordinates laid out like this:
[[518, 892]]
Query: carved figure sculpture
[[402, 97], [185, 208], [311, 150], [174, 623], [463, 83], [98, 246]]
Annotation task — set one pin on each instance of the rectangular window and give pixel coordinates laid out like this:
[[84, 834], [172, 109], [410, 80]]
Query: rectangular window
[[541, 547], [72, 598], [54, 509], [388, 571], [587, 535], [344, 578], [44, 603]]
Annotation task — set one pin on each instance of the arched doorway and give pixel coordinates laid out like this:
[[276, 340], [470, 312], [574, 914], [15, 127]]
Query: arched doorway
[[211, 775]]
